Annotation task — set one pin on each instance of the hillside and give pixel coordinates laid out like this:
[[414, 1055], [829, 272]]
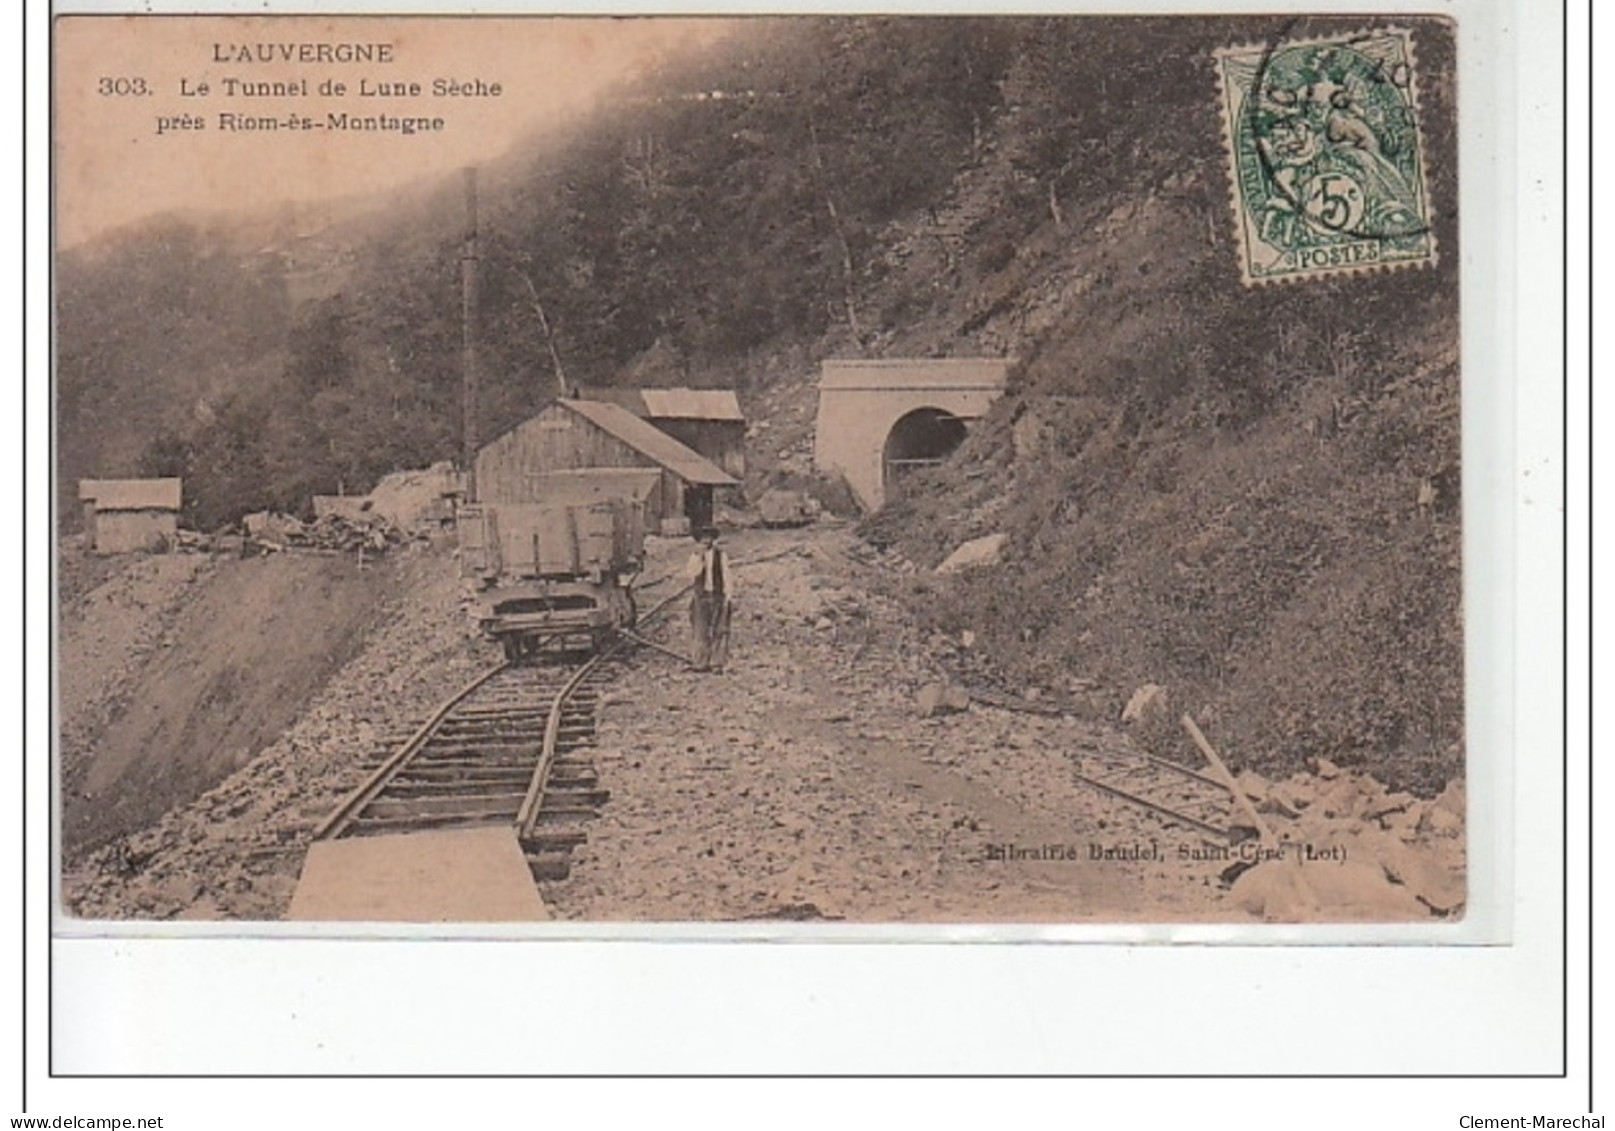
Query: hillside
[[179, 669], [1250, 496]]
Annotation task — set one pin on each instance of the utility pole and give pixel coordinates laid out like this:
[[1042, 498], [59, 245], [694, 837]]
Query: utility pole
[[469, 264]]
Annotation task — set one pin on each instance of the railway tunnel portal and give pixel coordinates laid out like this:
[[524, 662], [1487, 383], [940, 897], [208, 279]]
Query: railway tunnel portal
[[880, 420]]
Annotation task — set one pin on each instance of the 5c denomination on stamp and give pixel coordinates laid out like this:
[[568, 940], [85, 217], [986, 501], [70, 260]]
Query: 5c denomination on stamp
[[1325, 156]]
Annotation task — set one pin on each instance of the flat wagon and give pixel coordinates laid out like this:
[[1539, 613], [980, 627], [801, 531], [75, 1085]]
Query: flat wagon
[[558, 572]]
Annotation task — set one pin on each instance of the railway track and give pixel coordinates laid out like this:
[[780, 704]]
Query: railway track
[[1176, 794], [511, 748]]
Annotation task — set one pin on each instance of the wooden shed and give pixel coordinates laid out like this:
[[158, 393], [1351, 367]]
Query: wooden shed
[[578, 435], [124, 515], [707, 421]]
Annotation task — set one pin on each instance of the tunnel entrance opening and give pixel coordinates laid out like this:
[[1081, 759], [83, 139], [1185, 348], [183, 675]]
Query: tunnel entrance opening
[[922, 438]]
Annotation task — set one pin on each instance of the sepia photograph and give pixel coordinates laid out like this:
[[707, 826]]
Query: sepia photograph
[[770, 470]]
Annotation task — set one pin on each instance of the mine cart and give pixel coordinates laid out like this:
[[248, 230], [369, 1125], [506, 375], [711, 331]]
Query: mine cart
[[554, 573]]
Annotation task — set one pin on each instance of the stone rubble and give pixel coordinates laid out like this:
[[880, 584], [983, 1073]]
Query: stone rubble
[[236, 851], [978, 553], [801, 784], [1399, 857]]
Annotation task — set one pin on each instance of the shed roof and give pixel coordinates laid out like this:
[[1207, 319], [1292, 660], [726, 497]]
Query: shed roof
[[131, 494], [672, 404], [651, 442], [693, 404]]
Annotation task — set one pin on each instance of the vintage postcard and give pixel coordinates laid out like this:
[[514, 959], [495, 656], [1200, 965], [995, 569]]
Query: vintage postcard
[[759, 470]]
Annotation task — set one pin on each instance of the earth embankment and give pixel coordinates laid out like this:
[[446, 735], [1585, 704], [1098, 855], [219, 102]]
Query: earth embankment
[[177, 671]]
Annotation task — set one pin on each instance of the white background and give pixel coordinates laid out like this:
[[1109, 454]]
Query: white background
[[209, 1005]]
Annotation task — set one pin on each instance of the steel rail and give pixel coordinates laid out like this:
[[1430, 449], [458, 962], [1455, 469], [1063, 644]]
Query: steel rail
[[533, 800], [1163, 763], [657, 609], [1146, 803], [344, 815], [349, 809]]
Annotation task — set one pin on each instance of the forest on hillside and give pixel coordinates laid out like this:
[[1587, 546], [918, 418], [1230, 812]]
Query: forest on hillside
[[732, 202], [1249, 494], [736, 205]]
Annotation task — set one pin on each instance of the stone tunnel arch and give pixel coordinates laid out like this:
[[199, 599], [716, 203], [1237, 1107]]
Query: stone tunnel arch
[[922, 437], [875, 410]]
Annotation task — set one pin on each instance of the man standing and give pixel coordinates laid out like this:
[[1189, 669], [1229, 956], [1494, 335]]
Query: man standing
[[714, 589]]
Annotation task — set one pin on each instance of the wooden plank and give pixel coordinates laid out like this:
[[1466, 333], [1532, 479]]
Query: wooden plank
[[484, 805], [454, 876], [1227, 781]]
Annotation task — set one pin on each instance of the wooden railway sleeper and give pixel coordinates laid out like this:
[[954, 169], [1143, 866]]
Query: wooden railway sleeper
[[450, 772], [452, 789], [555, 840], [520, 738], [549, 866], [550, 814], [387, 825], [565, 796], [460, 761], [473, 805]]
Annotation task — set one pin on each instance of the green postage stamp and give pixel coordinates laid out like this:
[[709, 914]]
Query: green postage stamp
[[1325, 157]]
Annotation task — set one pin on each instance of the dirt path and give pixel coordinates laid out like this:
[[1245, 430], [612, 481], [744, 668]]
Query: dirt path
[[804, 783]]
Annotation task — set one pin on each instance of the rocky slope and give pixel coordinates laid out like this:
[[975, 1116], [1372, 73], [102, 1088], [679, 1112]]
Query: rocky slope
[[811, 781], [235, 850]]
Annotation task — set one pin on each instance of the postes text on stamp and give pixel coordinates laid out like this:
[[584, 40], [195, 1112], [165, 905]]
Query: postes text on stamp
[[1325, 156]]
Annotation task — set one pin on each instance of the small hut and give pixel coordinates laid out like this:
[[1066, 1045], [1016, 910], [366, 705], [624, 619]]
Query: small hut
[[125, 515], [708, 421], [581, 435]]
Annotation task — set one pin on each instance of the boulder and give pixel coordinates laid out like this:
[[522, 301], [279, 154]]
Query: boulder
[[1296, 792], [1254, 785], [737, 519], [1453, 799], [1404, 822], [1147, 703], [203, 910], [975, 554], [1355, 890], [941, 698], [1429, 878], [1341, 797], [1277, 804], [1361, 890], [1028, 433], [265, 526], [183, 890], [786, 508], [1273, 890], [1441, 822]]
